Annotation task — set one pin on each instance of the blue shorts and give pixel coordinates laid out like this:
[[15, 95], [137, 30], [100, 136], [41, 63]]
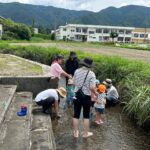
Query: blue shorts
[[100, 110]]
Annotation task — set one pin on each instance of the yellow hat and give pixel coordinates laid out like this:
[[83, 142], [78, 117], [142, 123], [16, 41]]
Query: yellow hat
[[62, 92]]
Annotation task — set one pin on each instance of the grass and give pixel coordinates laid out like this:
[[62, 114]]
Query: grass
[[38, 39], [132, 78], [145, 47]]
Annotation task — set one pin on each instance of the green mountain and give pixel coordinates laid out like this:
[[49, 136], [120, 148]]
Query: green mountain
[[52, 17]]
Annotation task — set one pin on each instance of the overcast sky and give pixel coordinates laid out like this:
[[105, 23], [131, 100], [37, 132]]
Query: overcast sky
[[92, 5]]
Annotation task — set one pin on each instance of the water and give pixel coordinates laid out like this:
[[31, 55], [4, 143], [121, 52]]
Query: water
[[117, 133]]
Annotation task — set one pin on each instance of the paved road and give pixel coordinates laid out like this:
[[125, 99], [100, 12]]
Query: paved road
[[104, 50]]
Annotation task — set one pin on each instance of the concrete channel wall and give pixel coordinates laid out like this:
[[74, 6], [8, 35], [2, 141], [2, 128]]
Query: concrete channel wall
[[34, 84]]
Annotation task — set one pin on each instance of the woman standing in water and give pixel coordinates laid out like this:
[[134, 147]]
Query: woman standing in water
[[84, 81]]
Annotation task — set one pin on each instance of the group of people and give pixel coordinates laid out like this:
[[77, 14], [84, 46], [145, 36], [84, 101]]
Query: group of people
[[83, 91]]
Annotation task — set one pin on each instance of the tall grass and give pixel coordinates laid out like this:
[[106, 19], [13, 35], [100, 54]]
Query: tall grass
[[132, 78]]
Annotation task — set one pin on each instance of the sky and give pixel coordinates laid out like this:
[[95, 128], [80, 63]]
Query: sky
[[91, 5]]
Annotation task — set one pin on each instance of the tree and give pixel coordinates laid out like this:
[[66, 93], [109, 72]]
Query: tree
[[24, 32], [53, 36], [113, 35], [14, 30]]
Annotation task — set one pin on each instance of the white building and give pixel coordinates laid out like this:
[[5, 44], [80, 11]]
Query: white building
[[36, 30], [1, 30], [93, 33]]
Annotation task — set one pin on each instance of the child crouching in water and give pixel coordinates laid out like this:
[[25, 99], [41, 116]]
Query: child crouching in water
[[70, 92], [100, 103]]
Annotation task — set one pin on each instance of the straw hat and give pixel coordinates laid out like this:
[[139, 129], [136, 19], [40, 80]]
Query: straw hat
[[102, 88], [70, 82], [62, 92], [108, 82]]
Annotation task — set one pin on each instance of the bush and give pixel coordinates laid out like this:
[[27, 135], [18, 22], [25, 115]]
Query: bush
[[23, 32], [43, 36]]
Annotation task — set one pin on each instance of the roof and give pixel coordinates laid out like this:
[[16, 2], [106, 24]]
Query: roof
[[98, 26]]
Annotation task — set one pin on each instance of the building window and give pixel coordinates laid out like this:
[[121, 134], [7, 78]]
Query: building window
[[128, 31], [84, 30], [78, 29], [127, 39], [78, 37], [91, 32], [72, 30], [120, 39], [114, 30], [141, 35], [98, 30], [136, 35], [64, 29], [106, 38], [121, 31], [64, 38], [100, 38], [106, 31]]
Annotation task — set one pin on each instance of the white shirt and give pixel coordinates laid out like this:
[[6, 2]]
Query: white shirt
[[112, 91], [101, 98], [47, 93], [79, 77]]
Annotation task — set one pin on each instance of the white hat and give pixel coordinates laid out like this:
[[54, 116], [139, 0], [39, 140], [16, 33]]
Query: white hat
[[107, 82]]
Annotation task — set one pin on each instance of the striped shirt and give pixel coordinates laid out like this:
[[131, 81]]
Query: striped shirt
[[79, 77]]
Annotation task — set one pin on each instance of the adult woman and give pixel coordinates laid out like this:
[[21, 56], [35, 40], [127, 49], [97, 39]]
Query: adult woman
[[84, 79], [56, 70], [71, 64]]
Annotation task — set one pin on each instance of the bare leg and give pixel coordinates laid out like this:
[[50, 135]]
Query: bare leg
[[98, 117], [75, 127], [86, 124]]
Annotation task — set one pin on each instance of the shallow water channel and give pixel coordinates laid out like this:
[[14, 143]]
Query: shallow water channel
[[117, 133]]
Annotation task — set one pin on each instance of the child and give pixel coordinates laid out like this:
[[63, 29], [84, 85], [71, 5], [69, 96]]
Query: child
[[70, 92], [100, 103], [97, 82], [93, 98]]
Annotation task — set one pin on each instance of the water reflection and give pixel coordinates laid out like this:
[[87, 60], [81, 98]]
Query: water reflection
[[117, 133]]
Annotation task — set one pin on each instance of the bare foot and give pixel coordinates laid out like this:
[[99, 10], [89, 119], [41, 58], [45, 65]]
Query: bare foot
[[76, 134], [87, 135]]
